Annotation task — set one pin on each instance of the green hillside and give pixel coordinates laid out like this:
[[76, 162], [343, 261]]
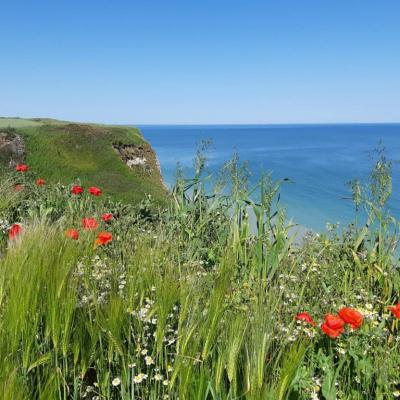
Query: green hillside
[[92, 154]]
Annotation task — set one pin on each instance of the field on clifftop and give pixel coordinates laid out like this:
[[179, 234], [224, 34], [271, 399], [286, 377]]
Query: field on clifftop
[[67, 152]]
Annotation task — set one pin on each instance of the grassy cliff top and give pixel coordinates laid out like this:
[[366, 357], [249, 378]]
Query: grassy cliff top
[[93, 154]]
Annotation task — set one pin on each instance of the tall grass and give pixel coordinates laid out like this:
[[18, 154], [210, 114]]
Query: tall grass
[[196, 301]]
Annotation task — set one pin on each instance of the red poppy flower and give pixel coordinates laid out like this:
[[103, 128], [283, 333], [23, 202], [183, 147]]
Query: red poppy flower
[[14, 231], [333, 326], [305, 316], [107, 217], [40, 182], [95, 191], [18, 187], [395, 310], [21, 168], [352, 317], [76, 189], [103, 238], [72, 233], [89, 223]]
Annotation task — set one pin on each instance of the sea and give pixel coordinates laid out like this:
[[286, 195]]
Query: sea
[[318, 160]]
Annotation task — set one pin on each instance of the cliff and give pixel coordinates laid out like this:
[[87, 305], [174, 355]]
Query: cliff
[[116, 158]]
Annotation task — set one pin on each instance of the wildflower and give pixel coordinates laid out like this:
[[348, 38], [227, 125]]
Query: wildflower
[[95, 191], [333, 326], [306, 317], [116, 381], [107, 217], [89, 223], [40, 182], [103, 238], [72, 233], [158, 377], [395, 310], [76, 189], [21, 168], [18, 187], [165, 382], [351, 316], [309, 332], [142, 314], [139, 378], [149, 360], [14, 231]]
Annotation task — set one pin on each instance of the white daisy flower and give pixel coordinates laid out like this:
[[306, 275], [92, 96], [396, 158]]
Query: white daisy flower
[[158, 377], [116, 382], [149, 360], [139, 378]]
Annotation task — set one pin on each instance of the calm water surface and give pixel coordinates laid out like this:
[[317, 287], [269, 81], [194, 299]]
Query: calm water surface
[[319, 159]]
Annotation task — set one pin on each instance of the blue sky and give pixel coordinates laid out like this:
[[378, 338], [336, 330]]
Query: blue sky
[[210, 61]]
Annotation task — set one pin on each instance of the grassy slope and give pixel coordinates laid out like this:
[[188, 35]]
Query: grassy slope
[[63, 152]]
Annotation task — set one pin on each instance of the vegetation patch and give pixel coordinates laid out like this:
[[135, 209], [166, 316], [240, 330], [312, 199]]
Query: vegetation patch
[[67, 152], [105, 300]]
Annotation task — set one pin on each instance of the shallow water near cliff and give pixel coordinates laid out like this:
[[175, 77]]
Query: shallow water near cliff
[[318, 159]]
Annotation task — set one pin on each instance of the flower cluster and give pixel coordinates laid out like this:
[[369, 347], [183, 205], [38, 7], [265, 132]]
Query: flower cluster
[[96, 277], [334, 325], [24, 168], [4, 225], [93, 190], [147, 367], [89, 223]]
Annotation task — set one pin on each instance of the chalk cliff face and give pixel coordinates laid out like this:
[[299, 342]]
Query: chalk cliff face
[[116, 158], [140, 156], [12, 148]]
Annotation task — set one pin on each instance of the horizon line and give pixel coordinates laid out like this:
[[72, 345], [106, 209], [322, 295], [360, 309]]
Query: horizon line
[[209, 123], [263, 123]]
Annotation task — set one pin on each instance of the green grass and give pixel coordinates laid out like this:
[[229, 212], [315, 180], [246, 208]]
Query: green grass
[[65, 152], [208, 297], [17, 122]]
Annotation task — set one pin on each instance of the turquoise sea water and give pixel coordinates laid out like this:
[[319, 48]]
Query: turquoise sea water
[[318, 159]]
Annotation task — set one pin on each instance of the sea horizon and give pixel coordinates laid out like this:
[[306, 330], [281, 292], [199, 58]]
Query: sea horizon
[[283, 124]]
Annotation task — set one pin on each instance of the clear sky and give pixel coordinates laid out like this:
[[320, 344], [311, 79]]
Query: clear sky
[[209, 61]]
